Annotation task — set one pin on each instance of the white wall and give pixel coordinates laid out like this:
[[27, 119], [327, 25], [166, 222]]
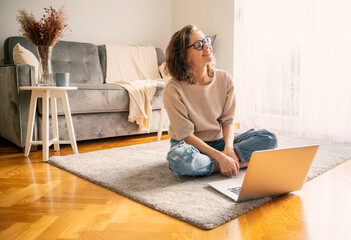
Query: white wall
[[212, 17], [99, 21], [133, 21]]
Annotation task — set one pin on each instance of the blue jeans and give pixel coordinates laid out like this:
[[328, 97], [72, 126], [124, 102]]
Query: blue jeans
[[185, 159]]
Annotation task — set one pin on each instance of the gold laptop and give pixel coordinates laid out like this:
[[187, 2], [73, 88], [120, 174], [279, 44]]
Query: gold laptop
[[270, 173]]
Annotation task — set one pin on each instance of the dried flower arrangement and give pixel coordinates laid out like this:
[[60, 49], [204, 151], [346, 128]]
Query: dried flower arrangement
[[48, 30], [44, 33]]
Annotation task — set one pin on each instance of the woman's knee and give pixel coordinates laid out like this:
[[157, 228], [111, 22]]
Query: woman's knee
[[185, 159], [180, 158], [180, 153], [270, 138]]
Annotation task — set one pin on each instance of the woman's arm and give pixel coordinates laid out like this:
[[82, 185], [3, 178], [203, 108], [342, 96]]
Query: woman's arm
[[228, 136], [223, 163]]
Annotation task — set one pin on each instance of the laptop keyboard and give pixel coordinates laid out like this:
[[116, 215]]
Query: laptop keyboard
[[235, 190]]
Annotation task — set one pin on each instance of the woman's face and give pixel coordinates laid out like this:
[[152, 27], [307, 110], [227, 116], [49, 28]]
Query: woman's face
[[199, 58]]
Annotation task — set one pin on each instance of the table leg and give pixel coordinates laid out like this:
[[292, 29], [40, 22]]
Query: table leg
[[30, 126], [45, 127], [69, 121], [54, 122]]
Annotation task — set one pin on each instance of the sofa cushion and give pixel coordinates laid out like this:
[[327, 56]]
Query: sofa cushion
[[102, 125], [11, 42], [102, 98], [81, 60], [22, 55]]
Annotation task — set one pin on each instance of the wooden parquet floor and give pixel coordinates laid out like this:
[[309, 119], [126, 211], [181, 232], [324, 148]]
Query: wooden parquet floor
[[39, 201]]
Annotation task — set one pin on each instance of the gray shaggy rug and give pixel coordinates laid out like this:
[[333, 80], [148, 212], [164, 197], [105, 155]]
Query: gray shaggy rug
[[140, 172]]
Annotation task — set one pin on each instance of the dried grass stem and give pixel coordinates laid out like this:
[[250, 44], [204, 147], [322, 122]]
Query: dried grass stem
[[47, 31]]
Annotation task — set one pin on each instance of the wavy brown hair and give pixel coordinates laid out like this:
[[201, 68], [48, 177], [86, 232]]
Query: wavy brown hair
[[177, 64]]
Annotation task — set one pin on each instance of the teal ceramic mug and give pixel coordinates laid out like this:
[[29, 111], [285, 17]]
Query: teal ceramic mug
[[62, 79]]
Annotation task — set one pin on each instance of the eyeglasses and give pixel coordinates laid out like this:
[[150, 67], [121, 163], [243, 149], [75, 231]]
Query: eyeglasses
[[199, 44]]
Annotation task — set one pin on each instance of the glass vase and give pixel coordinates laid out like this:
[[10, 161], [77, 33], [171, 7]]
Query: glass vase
[[45, 71]]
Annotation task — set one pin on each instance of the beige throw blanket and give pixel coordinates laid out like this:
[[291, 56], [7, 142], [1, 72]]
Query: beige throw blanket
[[134, 68]]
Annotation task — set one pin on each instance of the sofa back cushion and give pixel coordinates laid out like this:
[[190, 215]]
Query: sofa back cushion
[[81, 60]]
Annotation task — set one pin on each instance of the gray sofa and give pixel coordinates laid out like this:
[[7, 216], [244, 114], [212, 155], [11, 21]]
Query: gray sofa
[[99, 110]]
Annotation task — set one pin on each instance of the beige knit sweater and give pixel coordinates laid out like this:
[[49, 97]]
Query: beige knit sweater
[[200, 110]]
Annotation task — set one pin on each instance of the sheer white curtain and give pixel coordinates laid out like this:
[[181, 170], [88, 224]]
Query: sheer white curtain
[[292, 66]]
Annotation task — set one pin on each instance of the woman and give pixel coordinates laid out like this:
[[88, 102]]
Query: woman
[[200, 103]]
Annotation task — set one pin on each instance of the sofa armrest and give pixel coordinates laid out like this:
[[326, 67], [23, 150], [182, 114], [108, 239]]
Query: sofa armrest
[[25, 75], [14, 105]]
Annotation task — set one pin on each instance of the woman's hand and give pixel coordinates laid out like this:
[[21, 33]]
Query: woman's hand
[[229, 151], [227, 165]]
